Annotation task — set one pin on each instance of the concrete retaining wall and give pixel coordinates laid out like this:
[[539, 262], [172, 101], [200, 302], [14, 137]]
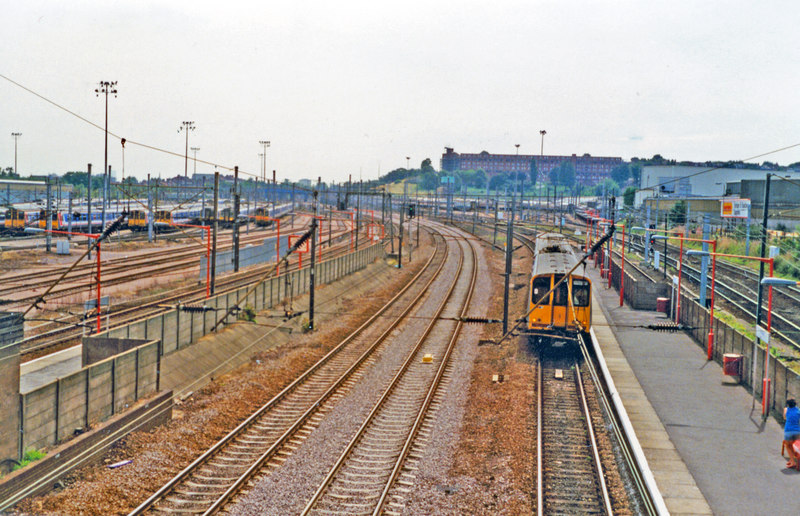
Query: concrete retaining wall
[[641, 292], [69, 405], [42, 475]]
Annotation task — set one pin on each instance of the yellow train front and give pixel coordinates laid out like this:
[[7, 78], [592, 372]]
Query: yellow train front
[[558, 315]]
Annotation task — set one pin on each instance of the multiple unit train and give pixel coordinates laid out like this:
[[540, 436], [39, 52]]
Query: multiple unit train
[[16, 220], [557, 311]]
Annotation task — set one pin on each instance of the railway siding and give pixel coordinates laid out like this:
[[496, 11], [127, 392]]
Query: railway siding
[[173, 330]]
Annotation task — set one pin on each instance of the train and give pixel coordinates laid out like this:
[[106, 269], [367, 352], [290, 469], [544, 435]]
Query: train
[[557, 315], [197, 215], [15, 220]]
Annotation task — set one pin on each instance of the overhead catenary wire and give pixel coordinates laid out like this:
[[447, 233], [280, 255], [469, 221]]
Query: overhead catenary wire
[[110, 133]]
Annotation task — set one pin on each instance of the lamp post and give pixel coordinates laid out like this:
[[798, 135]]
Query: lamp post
[[542, 132], [622, 268], [408, 163], [186, 127], [517, 146], [770, 281], [16, 137], [195, 149], [105, 88], [265, 144]]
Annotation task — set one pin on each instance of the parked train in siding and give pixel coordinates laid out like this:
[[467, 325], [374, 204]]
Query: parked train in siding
[[17, 219], [557, 315]]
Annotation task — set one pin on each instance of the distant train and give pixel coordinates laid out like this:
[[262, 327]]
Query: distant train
[[558, 315], [17, 219], [14, 220]]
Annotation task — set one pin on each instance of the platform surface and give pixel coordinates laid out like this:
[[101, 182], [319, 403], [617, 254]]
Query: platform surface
[[41, 371], [704, 440]]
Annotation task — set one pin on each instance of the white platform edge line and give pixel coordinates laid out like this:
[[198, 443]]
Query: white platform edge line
[[638, 453]]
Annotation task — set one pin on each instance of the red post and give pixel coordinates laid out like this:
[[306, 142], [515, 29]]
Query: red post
[[610, 259], [98, 285], [278, 249], [588, 233], [352, 229], [622, 271], [680, 276]]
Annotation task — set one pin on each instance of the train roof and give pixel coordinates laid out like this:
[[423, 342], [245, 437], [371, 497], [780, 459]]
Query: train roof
[[554, 255]]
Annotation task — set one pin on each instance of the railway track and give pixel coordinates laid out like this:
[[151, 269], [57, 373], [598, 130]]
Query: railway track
[[115, 270], [126, 313], [366, 477], [741, 296], [263, 441], [570, 477]]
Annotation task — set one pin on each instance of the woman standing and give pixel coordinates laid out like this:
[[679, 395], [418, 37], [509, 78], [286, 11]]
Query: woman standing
[[791, 430]]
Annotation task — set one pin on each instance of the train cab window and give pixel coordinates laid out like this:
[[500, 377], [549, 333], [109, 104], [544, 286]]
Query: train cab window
[[580, 292], [539, 288], [561, 294]]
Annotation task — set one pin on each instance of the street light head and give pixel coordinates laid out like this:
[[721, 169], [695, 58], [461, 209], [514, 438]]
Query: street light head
[[773, 281], [638, 228], [695, 252], [660, 237]]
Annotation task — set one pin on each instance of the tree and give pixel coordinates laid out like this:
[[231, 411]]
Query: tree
[[608, 186], [8, 173], [426, 165], [629, 195], [567, 175], [563, 174], [497, 182], [678, 212], [429, 180], [620, 174], [533, 172]]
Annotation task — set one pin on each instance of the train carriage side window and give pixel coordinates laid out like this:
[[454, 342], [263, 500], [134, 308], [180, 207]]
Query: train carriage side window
[[561, 294], [580, 292], [541, 285]]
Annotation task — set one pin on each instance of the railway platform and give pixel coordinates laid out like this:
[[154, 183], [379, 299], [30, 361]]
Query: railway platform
[[703, 437]]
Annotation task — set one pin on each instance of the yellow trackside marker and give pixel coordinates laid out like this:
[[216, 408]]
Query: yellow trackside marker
[[427, 359]]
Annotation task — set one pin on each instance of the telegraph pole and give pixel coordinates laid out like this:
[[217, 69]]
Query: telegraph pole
[[16, 137], [105, 88], [311, 276], [509, 247], [89, 206], [236, 219], [186, 127], [213, 263]]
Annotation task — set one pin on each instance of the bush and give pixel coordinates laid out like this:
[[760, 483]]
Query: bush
[[248, 313], [30, 456]]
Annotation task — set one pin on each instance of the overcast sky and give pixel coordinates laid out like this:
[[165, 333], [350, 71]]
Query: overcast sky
[[354, 87]]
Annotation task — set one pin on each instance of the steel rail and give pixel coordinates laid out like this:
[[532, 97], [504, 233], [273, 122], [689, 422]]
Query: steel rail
[[385, 396], [423, 411], [211, 452]]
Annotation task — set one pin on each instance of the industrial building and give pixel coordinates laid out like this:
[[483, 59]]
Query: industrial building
[[14, 191], [705, 188], [589, 170]]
